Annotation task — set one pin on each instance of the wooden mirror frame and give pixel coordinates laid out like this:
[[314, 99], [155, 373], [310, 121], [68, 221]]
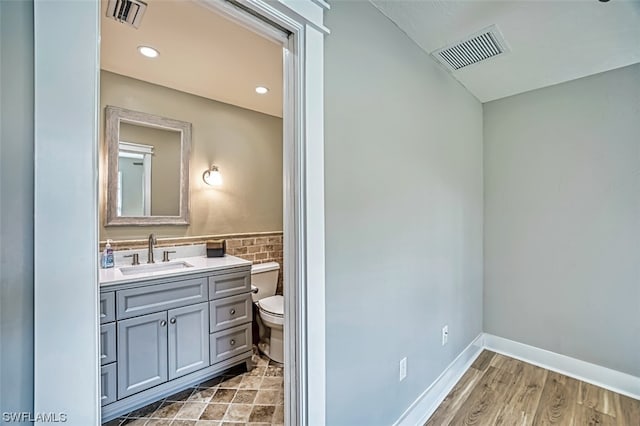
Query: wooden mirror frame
[[116, 115]]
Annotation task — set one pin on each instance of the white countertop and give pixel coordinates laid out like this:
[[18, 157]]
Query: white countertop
[[199, 264]]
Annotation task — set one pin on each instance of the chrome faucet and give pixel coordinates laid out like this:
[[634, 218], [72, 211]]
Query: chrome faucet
[[152, 241]]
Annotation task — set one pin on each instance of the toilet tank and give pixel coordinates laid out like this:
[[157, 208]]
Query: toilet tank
[[264, 276]]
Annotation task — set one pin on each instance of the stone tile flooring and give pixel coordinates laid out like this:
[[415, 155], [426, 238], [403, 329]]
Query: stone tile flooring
[[235, 398]]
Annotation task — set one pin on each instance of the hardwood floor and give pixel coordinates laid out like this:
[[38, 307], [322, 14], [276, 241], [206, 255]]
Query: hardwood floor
[[498, 390]]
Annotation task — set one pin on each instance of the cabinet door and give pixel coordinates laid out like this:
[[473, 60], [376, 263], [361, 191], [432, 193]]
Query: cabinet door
[[188, 339], [142, 353]]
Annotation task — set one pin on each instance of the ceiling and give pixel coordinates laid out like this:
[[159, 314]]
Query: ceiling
[[201, 53], [551, 41]]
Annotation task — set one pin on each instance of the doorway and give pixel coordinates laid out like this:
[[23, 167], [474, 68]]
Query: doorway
[[59, 131], [203, 97]]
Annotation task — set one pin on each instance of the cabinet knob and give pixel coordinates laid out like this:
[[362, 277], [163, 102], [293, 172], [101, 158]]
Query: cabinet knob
[[172, 320], [232, 311], [163, 323], [232, 342]]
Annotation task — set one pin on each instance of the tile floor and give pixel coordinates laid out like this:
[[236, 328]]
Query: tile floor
[[235, 398]]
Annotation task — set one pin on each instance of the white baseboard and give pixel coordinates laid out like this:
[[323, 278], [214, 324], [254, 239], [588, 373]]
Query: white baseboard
[[427, 403], [604, 377], [423, 407]]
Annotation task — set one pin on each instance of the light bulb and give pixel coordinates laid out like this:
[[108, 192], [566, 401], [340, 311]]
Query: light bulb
[[213, 177], [147, 51]]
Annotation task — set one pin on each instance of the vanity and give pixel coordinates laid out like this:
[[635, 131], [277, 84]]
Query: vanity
[[167, 326]]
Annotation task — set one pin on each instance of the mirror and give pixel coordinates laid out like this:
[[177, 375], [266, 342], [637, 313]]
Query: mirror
[[148, 169]]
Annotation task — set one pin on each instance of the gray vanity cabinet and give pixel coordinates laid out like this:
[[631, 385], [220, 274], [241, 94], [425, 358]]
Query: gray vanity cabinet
[[188, 339], [142, 353], [162, 335]]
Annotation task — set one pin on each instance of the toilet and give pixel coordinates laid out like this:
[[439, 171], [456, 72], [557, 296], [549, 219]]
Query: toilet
[[264, 279]]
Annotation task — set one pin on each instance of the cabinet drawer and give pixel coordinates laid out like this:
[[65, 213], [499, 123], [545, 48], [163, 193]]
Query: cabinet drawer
[[107, 307], [229, 284], [108, 384], [160, 297], [229, 343], [107, 343], [230, 312]]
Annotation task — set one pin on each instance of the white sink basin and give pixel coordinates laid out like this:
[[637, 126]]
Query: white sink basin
[[154, 267]]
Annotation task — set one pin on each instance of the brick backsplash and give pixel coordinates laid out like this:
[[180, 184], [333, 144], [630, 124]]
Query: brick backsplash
[[258, 248]]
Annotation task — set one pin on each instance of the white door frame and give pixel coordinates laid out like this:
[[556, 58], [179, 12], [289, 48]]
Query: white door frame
[[66, 364], [296, 145]]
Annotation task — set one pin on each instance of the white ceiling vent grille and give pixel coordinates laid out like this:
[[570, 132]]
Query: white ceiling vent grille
[[483, 45], [128, 12]]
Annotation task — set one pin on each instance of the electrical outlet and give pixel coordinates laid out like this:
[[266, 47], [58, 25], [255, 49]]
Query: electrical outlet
[[403, 368], [445, 335]]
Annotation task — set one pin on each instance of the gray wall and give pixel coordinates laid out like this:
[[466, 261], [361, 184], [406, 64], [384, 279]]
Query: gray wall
[[16, 206], [562, 218], [403, 179]]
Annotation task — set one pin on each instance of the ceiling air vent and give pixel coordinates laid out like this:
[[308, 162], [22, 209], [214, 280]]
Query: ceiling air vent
[[483, 45], [128, 12]]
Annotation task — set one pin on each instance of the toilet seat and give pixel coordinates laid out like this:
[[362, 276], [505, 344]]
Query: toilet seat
[[272, 310], [273, 305]]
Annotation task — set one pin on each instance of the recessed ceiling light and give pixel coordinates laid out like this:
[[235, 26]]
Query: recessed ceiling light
[[261, 90], [147, 51]]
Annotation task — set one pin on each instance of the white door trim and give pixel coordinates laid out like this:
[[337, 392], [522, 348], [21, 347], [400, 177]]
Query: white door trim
[[66, 365], [303, 166], [72, 108]]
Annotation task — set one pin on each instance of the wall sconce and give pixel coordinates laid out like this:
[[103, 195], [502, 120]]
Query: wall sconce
[[212, 176]]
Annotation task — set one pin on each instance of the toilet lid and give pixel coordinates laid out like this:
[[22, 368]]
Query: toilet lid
[[273, 304]]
